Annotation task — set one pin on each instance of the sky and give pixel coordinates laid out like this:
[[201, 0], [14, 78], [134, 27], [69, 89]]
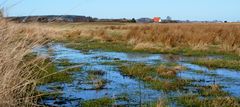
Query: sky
[[200, 10]]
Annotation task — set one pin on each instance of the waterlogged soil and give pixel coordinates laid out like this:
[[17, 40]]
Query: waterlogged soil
[[100, 77]]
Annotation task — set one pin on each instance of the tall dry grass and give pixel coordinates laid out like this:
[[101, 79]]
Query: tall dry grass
[[17, 78], [197, 36], [227, 36]]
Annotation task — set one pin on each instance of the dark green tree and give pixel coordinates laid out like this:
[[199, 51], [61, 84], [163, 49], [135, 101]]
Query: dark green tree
[[133, 20]]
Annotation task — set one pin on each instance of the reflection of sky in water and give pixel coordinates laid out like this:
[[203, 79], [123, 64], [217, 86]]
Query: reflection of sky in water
[[118, 84], [229, 79]]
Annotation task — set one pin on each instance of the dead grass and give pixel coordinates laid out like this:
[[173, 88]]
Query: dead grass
[[225, 37], [17, 79], [218, 38]]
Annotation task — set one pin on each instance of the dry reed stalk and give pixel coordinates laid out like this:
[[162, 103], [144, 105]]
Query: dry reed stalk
[[17, 78]]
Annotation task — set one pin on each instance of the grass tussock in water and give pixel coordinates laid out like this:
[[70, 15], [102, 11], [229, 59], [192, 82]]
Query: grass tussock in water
[[153, 76], [197, 101], [96, 78], [208, 96], [65, 62], [218, 63], [212, 90], [51, 73], [169, 72], [106, 102]]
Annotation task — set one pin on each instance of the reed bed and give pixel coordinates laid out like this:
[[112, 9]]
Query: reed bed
[[18, 78], [222, 37], [197, 36]]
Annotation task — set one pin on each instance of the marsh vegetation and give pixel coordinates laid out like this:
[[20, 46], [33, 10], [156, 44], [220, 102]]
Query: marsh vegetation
[[112, 64]]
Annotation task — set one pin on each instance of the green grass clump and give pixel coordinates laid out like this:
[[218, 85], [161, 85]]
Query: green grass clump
[[73, 69], [166, 85], [65, 62], [123, 97], [45, 70], [84, 44], [51, 74], [218, 63], [117, 62], [102, 102], [152, 77], [197, 101], [137, 70], [208, 96], [212, 90], [95, 77], [166, 72]]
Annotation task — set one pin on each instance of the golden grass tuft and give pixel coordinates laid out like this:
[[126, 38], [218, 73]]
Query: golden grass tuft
[[145, 46], [169, 72], [17, 78]]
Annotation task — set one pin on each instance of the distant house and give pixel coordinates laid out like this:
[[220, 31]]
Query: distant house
[[157, 19]]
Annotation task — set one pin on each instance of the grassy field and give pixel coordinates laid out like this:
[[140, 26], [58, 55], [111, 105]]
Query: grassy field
[[19, 79], [193, 39], [187, 39]]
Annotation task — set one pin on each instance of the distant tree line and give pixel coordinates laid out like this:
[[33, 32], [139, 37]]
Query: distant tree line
[[66, 18], [52, 18]]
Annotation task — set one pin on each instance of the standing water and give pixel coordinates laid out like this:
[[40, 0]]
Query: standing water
[[125, 90]]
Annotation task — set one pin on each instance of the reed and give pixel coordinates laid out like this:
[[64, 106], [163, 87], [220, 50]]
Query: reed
[[19, 76]]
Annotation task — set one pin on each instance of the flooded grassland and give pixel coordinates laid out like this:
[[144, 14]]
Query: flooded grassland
[[109, 78]]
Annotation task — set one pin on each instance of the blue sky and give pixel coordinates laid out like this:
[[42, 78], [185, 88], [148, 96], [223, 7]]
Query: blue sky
[[177, 9]]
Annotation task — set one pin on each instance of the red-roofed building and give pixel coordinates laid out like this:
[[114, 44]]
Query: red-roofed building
[[157, 19]]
